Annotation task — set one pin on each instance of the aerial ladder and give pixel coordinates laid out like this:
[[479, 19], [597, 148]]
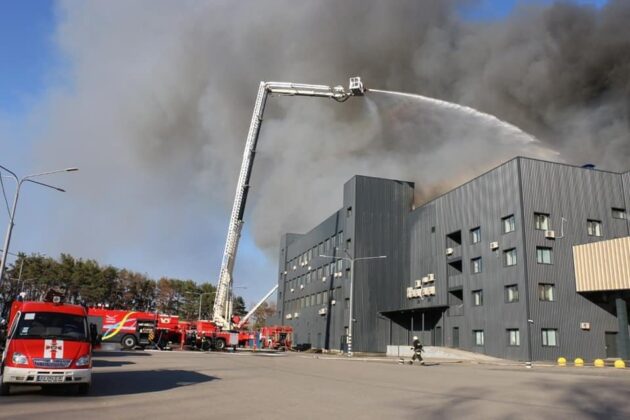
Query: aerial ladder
[[222, 309]]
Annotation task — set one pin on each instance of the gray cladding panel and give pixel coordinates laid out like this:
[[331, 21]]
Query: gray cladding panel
[[576, 195]]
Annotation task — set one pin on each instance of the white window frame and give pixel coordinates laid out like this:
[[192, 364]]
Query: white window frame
[[514, 337], [476, 266], [513, 287], [594, 227], [479, 338], [544, 255], [546, 292], [475, 235], [542, 221], [509, 224], [548, 333], [510, 257], [477, 297]]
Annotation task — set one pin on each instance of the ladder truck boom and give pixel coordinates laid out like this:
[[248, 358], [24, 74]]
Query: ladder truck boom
[[222, 309], [256, 306]]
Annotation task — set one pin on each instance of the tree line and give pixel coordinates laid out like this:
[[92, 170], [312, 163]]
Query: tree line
[[88, 282]]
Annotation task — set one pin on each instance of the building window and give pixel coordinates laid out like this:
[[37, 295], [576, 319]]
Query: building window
[[347, 303], [339, 266], [475, 265], [541, 221], [320, 248], [326, 272], [475, 235], [318, 300], [340, 240], [510, 257], [619, 213], [549, 337], [313, 300], [325, 298], [349, 212], [477, 297], [327, 247], [478, 337], [543, 255], [514, 337], [332, 269], [546, 292], [509, 224], [511, 293], [594, 227]]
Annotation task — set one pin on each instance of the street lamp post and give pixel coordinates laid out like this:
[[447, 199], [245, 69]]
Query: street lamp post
[[201, 295], [19, 182], [350, 304]]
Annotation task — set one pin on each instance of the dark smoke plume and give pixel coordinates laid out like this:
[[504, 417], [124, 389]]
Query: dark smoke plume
[[161, 95]]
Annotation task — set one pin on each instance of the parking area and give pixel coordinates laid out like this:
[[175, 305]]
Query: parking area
[[138, 385]]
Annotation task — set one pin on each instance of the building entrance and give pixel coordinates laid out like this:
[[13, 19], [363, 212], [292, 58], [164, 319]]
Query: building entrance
[[611, 344]]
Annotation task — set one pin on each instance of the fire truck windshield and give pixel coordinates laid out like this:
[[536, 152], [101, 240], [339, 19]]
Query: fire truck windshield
[[51, 325]]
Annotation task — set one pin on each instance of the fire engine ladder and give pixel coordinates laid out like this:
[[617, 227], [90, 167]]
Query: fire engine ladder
[[222, 310]]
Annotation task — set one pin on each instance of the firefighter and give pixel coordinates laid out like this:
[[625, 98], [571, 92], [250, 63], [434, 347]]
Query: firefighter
[[417, 350]]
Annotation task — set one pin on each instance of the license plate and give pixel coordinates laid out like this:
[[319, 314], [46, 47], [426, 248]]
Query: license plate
[[50, 378]]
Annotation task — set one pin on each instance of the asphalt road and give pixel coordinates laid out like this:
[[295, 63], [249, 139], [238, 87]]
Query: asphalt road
[[187, 385]]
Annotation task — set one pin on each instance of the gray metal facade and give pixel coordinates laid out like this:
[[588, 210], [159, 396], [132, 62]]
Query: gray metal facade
[[378, 218]]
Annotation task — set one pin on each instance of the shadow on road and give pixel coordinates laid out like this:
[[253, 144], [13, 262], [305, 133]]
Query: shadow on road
[[143, 381], [110, 363], [110, 354]]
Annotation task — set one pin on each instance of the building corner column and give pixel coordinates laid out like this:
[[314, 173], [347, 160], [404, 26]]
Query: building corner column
[[623, 338]]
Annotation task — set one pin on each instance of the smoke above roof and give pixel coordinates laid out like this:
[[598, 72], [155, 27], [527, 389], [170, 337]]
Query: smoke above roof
[[160, 95]]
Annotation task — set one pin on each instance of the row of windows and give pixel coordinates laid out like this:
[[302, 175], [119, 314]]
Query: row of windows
[[549, 337], [320, 273], [314, 299], [327, 246], [542, 221], [546, 292], [543, 256]]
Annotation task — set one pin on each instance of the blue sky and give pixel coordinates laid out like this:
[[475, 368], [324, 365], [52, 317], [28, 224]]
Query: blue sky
[[31, 66]]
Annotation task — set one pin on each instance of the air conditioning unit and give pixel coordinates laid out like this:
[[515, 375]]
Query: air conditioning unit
[[295, 267], [301, 286], [585, 325], [550, 234], [494, 245], [429, 290], [431, 276], [309, 268], [409, 292], [296, 315], [426, 280], [289, 316], [323, 278], [449, 251], [332, 302], [418, 283], [322, 311], [292, 290]]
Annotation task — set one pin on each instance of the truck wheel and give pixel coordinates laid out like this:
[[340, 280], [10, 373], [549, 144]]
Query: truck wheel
[[219, 344], [5, 389], [84, 389], [128, 342]]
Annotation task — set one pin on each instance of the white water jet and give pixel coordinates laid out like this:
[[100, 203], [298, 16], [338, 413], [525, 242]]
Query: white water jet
[[491, 119]]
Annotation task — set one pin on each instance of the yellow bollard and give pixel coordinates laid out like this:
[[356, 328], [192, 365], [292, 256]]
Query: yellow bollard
[[562, 361], [620, 364], [599, 363], [578, 362]]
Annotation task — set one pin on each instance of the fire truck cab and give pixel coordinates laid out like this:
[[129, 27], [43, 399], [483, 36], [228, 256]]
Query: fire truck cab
[[48, 344]]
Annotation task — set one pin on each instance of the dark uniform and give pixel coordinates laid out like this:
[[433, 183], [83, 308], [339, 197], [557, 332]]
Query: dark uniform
[[417, 351]]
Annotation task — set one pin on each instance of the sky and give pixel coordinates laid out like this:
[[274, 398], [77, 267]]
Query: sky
[[36, 67]]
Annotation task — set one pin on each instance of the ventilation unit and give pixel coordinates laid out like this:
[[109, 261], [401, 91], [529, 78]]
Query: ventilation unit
[[494, 245], [449, 251], [550, 234]]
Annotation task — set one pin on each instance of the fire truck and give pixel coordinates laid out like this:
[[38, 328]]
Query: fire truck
[[277, 337], [49, 343], [136, 328]]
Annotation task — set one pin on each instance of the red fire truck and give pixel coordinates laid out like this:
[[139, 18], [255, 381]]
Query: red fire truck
[[49, 344], [205, 335], [277, 337]]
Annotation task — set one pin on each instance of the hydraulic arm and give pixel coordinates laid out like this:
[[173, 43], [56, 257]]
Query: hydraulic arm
[[222, 306]]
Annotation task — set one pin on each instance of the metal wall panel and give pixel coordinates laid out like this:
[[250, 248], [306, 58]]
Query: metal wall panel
[[602, 266], [574, 194]]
